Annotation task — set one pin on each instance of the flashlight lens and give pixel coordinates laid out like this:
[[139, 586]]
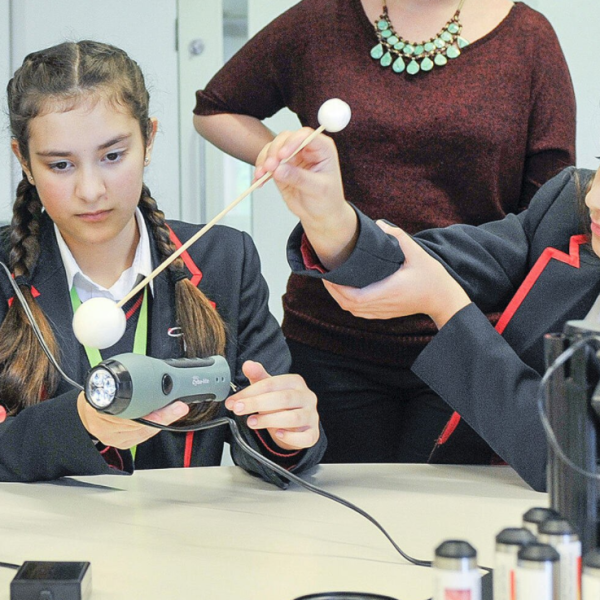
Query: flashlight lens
[[101, 388]]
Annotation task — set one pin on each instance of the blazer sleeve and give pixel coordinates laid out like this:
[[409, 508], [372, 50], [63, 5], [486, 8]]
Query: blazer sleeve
[[259, 338], [489, 261], [480, 376], [48, 441]]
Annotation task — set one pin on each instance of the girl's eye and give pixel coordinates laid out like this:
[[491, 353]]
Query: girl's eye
[[113, 156], [63, 165]]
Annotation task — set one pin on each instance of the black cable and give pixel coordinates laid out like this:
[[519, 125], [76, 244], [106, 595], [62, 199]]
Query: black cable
[[284, 473], [36, 329], [209, 425]]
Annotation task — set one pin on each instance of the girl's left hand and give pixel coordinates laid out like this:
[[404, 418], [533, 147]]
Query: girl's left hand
[[283, 405]]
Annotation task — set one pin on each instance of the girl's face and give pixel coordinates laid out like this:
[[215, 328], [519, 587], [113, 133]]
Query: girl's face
[[87, 164], [592, 201]]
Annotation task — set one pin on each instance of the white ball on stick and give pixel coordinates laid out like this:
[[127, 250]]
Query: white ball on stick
[[99, 323], [334, 115]]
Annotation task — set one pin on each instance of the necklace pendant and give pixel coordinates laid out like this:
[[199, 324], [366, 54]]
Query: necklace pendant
[[395, 51]]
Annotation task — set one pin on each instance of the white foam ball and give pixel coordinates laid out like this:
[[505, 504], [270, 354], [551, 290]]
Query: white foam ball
[[99, 323], [334, 115]]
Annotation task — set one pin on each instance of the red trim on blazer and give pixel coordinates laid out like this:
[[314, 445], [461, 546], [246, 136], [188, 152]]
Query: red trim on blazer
[[195, 279], [572, 259], [187, 452], [187, 259], [34, 293], [541, 263]]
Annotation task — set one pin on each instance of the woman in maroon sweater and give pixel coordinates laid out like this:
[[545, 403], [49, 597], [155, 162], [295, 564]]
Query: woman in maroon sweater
[[463, 142]]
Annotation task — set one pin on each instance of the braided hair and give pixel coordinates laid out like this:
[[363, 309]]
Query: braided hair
[[59, 79]]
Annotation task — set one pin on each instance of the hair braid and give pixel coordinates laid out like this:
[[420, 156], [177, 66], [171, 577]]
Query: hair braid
[[26, 374], [204, 333]]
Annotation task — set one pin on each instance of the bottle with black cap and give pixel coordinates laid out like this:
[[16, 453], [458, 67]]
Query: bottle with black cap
[[562, 537], [537, 566], [534, 516], [455, 571], [508, 543], [591, 575]]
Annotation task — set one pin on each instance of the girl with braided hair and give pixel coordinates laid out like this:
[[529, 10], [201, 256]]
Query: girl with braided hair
[[85, 225]]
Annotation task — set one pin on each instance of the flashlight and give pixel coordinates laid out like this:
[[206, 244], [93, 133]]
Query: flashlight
[[133, 385]]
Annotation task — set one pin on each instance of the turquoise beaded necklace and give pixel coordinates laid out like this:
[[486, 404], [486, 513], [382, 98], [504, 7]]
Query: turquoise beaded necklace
[[392, 49]]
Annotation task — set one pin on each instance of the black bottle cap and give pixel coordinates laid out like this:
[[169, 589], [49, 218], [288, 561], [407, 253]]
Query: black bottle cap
[[515, 536], [455, 549], [539, 514], [537, 552], [556, 526]]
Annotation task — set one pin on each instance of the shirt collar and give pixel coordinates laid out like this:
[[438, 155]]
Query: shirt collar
[[86, 288]]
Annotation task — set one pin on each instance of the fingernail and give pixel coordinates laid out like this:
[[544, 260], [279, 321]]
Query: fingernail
[[239, 407], [252, 421], [179, 410], [388, 223], [279, 433]]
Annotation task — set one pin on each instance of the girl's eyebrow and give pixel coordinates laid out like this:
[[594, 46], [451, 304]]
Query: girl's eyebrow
[[108, 144]]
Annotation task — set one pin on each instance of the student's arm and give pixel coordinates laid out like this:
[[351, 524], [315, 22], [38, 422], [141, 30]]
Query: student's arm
[[480, 376]]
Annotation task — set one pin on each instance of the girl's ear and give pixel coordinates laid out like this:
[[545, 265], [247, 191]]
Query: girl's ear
[[14, 145], [153, 127]]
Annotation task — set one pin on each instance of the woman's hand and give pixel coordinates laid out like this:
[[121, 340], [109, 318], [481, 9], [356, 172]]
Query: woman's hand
[[311, 185], [283, 405], [124, 433], [421, 286]]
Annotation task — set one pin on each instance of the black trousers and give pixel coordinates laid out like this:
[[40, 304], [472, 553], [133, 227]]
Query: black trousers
[[371, 413]]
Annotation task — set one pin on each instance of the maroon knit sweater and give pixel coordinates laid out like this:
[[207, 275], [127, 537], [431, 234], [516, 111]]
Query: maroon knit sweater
[[464, 143]]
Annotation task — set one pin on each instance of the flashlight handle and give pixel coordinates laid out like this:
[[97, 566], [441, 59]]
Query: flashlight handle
[[145, 384]]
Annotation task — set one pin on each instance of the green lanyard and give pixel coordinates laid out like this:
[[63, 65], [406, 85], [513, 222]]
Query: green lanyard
[[139, 341]]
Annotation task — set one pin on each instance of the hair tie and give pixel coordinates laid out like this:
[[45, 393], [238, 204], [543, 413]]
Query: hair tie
[[177, 275], [21, 280]]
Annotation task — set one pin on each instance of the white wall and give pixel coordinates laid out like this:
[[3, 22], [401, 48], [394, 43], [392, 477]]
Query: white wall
[[576, 23]]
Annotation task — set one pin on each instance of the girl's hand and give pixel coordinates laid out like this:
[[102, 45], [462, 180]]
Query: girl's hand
[[421, 286], [124, 433], [311, 185], [283, 405]]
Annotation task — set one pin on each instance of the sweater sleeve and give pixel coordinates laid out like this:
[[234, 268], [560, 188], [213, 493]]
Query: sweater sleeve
[[480, 376], [551, 138], [259, 338], [254, 81]]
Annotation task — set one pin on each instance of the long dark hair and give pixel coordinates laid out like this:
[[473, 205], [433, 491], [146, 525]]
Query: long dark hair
[[59, 79]]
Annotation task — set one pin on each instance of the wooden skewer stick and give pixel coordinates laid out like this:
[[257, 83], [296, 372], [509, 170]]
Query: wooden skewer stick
[[212, 222]]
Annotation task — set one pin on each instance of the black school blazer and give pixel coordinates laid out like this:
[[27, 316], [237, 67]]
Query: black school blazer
[[538, 268], [48, 441]]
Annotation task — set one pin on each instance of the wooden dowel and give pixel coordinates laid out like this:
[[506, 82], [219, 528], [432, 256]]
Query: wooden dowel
[[211, 223]]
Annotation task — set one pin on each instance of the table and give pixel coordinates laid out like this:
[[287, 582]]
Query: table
[[217, 533]]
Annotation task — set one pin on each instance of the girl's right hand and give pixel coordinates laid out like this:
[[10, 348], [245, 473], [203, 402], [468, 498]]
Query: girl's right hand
[[311, 185], [124, 433]]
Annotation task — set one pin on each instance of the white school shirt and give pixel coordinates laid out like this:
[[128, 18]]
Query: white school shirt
[[86, 288]]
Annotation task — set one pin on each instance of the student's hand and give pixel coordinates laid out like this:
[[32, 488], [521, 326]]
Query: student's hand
[[283, 405], [421, 286], [311, 185], [124, 433]]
